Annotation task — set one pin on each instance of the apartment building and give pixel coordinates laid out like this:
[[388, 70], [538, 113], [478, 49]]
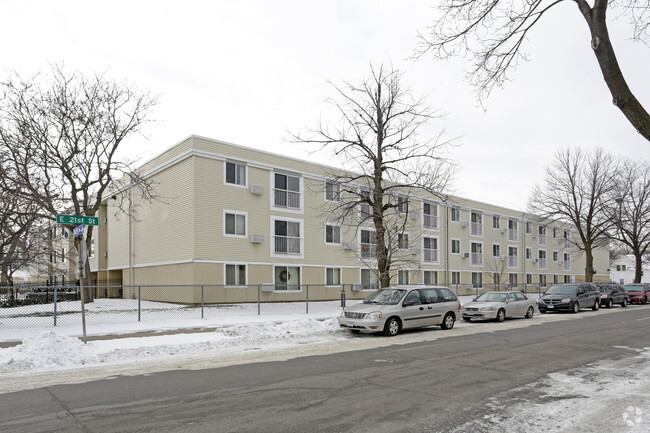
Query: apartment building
[[239, 218]]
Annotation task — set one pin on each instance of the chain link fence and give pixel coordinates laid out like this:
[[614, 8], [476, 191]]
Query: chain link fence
[[51, 306]]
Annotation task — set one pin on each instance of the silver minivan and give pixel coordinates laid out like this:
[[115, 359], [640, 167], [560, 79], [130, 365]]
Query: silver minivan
[[392, 309]]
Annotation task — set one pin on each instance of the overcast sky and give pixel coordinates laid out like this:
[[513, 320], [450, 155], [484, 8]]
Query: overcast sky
[[249, 71]]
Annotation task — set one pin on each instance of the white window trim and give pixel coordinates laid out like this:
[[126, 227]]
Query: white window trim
[[286, 266], [368, 270], [460, 246], [459, 215], [325, 191], [437, 216], [434, 262], [235, 212], [482, 254], [325, 234], [408, 247], [361, 258], [275, 218], [236, 185], [408, 277], [340, 276], [499, 245], [234, 285], [301, 183]]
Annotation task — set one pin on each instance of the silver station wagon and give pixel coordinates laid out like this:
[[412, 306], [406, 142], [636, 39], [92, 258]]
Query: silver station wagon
[[392, 309]]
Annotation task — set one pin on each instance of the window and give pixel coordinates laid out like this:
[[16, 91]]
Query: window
[[541, 254], [332, 234], [235, 275], [430, 278], [402, 241], [332, 191], [496, 250], [235, 224], [476, 256], [554, 233], [455, 277], [566, 239], [287, 237], [555, 256], [430, 215], [477, 280], [332, 276], [364, 206], [495, 222], [567, 262], [369, 279], [529, 253], [455, 246], [430, 250], [529, 279], [287, 190], [567, 278], [512, 280], [476, 224], [542, 280], [236, 173], [368, 244], [402, 204], [512, 230], [91, 253], [403, 277], [455, 214], [496, 279], [513, 260], [529, 228], [542, 235], [287, 277]]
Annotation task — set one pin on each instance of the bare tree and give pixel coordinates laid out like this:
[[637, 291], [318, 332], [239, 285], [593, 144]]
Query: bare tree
[[61, 133], [577, 191], [630, 211], [494, 32], [496, 268], [383, 163]]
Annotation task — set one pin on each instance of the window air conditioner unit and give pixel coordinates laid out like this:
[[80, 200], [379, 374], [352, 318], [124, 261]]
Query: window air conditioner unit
[[504, 257], [503, 230], [257, 190], [348, 246], [257, 239], [534, 260], [414, 215], [466, 255], [357, 287], [267, 287], [464, 224], [534, 235], [415, 252]]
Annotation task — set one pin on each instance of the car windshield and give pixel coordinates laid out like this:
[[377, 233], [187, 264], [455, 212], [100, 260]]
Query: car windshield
[[492, 297], [569, 289], [385, 297], [634, 288]]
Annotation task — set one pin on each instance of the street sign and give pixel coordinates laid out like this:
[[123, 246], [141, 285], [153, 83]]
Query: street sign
[[77, 219], [78, 231]]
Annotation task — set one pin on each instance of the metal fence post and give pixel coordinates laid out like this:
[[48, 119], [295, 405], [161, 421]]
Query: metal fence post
[[307, 302], [343, 296], [202, 299], [259, 287], [139, 302], [55, 306]]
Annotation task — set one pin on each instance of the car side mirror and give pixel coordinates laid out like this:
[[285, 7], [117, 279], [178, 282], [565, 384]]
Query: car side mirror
[[408, 303]]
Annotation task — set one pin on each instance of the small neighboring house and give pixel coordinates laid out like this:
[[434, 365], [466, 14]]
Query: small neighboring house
[[622, 270]]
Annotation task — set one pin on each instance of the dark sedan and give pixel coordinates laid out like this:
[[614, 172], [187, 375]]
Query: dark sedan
[[612, 294]]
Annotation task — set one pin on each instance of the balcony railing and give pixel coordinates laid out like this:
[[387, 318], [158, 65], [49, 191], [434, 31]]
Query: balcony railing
[[288, 199], [368, 250], [476, 229], [430, 256], [476, 259], [286, 245], [430, 221]]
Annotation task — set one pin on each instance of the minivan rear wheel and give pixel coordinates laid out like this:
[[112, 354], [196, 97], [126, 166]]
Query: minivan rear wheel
[[391, 327], [576, 307]]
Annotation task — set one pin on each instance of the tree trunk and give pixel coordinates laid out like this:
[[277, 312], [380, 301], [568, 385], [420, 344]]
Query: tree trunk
[[638, 272], [589, 265], [622, 96]]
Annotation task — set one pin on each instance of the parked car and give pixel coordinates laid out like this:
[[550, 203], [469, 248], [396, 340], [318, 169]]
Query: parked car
[[638, 293], [392, 309], [612, 294], [498, 306], [570, 297]]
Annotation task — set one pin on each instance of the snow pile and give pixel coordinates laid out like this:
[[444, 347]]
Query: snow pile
[[47, 351]]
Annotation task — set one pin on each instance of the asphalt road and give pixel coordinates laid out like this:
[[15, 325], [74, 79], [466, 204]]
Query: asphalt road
[[428, 386]]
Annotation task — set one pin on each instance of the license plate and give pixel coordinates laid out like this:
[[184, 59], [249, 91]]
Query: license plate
[[470, 313], [549, 306], [349, 324]]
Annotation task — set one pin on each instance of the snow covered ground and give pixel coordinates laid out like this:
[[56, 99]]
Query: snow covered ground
[[238, 334]]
